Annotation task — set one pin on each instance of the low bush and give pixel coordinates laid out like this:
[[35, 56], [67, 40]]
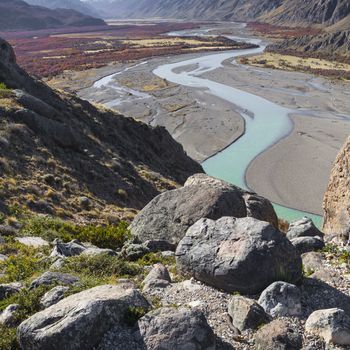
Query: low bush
[[23, 262], [109, 236], [101, 266], [8, 338]]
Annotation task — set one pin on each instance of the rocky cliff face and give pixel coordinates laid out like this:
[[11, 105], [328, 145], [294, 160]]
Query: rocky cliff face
[[63, 156], [336, 202], [276, 11], [327, 45]]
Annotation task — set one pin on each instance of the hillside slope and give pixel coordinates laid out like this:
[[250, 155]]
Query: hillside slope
[[18, 15], [76, 5], [63, 156]]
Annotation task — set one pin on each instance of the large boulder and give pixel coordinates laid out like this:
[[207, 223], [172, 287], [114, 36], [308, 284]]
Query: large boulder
[[79, 321], [246, 313], [303, 228], [169, 215], [172, 328], [333, 325], [281, 299], [244, 254], [336, 202]]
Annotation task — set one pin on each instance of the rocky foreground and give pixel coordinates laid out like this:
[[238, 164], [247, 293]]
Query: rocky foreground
[[205, 266]]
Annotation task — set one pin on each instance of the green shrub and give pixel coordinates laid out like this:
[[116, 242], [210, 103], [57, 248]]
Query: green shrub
[[154, 258], [100, 266], [28, 301], [133, 314], [8, 338], [4, 87], [109, 236], [23, 262]]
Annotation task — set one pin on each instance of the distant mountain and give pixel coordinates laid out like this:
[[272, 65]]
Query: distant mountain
[[18, 15], [76, 5], [332, 15]]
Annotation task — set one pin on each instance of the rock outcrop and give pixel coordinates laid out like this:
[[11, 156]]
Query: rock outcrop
[[244, 255], [336, 202], [169, 215]]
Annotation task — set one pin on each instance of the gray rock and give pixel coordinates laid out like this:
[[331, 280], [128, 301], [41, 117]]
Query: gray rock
[[158, 272], [2, 256], [159, 245], [57, 264], [6, 290], [172, 328], [53, 296], [7, 230], [50, 277], [277, 335], [281, 299], [303, 228], [79, 321], [35, 242], [158, 277], [169, 215], [2, 240], [307, 244], [93, 251], [333, 325], [71, 248], [246, 313], [168, 254], [312, 261], [134, 251], [244, 255], [8, 316]]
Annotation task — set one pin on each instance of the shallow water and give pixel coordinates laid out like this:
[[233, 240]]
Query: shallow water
[[266, 122]]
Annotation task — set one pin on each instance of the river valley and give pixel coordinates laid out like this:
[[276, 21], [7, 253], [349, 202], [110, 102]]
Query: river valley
[[274, 132]]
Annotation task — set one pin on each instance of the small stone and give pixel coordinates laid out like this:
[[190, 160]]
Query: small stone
[[172, 328], [246, 313], [277, 335], [333, 325], [71, 248], [281, 299], [8, 316], [35, 242], [53, 296], [49, 277], [307, 244], [303, 228], [6, 290]]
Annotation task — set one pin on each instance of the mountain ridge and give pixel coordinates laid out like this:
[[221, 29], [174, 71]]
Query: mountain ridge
[[23, 16]]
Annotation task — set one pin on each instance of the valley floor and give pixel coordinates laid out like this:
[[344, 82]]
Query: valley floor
[[294, 172]]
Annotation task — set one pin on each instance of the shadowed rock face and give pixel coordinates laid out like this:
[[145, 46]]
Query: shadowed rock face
[[336, 203], [244, 255], [115, 160]]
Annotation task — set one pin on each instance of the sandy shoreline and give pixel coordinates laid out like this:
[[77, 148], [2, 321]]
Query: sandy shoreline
[[294, 172]]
